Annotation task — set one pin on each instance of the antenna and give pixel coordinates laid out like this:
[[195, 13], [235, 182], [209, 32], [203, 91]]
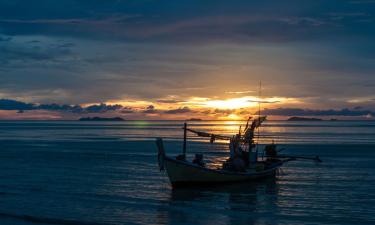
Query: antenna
[[260, 94], [257, 146], [184, 146]]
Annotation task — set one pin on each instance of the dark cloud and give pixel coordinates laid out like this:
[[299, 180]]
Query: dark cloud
[[311, 112], [66, 45], [362, 2], [197, 29], [224, 111], [5, 39], [17, 55], [57, 107], [150, 110], [127, 110], [102, 108], [179, 110], [188, 21], [8, 104], [168, 101]]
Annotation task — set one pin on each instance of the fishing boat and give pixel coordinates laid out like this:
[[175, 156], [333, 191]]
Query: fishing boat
[[242, 165]]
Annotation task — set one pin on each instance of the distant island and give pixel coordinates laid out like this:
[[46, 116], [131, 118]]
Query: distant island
[[101, 119], [296, 118], [194, 119]]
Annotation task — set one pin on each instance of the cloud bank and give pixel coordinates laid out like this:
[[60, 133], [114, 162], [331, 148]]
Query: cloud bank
[[13, 105], [311, 112]]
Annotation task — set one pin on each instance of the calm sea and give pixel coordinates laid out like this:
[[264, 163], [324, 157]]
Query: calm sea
[[66, 172]]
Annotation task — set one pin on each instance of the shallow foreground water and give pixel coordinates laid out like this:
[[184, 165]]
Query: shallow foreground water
[[68, 172]]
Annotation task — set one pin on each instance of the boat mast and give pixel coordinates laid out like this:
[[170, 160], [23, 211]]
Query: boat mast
[[260, 93], [184, 146]]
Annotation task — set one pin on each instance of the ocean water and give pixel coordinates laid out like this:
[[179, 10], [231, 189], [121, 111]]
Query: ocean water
[[67, 172]]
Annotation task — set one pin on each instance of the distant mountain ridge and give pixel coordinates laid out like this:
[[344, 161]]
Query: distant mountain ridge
[[296, 118], [194, 119], [101, 119]]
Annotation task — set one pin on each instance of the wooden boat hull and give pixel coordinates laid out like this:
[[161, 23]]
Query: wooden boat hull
[[182, 173]]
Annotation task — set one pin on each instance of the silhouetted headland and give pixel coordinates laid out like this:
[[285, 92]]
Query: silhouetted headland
[[296, 118], [194, 119], [101, 119]]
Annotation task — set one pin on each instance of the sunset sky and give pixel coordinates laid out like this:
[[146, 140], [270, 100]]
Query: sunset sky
[[146, 59]]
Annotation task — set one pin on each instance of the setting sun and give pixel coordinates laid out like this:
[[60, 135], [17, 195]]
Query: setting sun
[[233, 117], [237, 103]]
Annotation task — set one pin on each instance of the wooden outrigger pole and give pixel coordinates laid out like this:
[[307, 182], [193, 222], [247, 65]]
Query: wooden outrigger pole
[[184, 145], [257, 147], [260, 93]]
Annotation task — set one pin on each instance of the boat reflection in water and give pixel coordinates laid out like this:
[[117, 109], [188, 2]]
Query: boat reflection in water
[[236, 203]]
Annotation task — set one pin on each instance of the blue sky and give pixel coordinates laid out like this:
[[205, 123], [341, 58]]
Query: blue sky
[[177, 55]]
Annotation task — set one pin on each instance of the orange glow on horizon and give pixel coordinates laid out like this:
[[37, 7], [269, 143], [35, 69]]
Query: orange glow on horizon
[[237, 103], [177, 107], [234, 103], [202, 102], [232, 117]]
